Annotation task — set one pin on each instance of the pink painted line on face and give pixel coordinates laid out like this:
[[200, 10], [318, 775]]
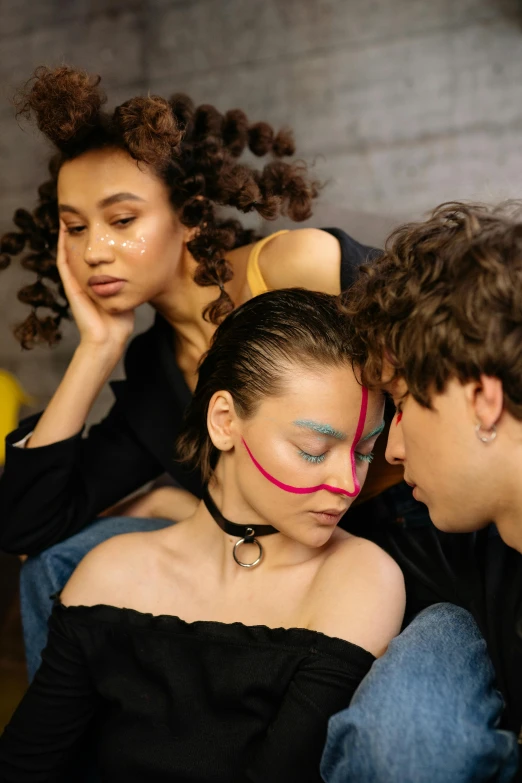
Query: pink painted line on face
[[335, 490]]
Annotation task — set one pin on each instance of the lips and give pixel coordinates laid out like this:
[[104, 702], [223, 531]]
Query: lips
[[106, 285], [414, 488], [330, 516]]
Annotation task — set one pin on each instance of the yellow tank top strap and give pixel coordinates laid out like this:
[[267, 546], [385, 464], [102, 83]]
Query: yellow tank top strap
[[255, 279]]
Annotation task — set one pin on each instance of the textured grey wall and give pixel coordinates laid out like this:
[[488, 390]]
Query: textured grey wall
[[400, 103]]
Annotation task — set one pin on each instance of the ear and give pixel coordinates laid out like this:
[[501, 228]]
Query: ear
[[487, 400], [221, 420]]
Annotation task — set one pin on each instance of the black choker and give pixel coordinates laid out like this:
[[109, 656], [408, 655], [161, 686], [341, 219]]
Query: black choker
[[248, 534]]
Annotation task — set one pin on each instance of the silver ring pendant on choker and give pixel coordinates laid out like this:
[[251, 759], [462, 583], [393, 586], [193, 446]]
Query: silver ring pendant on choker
[[249, 534]]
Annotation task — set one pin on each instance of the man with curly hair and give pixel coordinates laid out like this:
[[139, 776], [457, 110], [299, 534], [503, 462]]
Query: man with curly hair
[[437, 323]]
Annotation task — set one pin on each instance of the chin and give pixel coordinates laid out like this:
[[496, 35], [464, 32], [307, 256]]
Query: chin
[[447, 524], [318, 537], [444, 524], [116, 305]]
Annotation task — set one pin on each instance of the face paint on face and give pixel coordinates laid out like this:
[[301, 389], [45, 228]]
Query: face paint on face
[[335, 490], [398, 418]]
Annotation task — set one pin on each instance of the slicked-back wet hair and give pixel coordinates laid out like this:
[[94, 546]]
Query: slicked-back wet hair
[[194, 150], [252, 354]]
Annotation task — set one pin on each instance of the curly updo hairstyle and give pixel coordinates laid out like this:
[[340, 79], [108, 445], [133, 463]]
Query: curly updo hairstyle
[[194, 150]]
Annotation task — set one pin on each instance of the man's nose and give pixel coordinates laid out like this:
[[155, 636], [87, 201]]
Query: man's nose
[[395, 453]]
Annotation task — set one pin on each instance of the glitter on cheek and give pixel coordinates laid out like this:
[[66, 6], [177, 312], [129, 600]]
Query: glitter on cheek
[[111, 242]]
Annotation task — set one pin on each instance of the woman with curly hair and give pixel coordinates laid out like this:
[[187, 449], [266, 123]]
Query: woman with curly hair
[[211, 650], [131, 215]]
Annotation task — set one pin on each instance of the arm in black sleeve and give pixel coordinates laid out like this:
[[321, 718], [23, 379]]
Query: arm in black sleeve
[[294, 742], [51, 492], [54, 713]]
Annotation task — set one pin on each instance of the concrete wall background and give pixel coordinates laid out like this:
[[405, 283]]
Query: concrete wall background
[[402, 104]]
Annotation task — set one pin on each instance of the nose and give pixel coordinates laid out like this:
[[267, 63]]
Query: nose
[[344, 476], [98, 249], [395, 452]]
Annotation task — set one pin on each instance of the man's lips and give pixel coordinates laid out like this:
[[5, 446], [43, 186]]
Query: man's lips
[[106, 285], [414, 488]]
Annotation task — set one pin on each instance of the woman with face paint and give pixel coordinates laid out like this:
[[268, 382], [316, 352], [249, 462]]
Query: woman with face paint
[[138, 193], [244, 627]]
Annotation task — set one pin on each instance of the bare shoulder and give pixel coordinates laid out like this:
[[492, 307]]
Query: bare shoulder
[[112, 571], [359, 595], [304, 258]]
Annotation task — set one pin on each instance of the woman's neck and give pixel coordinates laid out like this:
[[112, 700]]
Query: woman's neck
[[279, 549], [182, 305], [183, 302]]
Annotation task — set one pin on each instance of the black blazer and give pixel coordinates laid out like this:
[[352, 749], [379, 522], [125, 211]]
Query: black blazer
[[50, 493]]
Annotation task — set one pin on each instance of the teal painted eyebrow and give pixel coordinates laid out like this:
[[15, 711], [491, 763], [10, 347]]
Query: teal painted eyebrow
[[322, 429], [376, 431]]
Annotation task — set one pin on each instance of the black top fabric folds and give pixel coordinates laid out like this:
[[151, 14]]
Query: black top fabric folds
[[202, 702], [50, 493]]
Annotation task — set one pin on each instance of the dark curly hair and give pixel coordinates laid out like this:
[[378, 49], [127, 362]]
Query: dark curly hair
[[194, 150], [444, 301]]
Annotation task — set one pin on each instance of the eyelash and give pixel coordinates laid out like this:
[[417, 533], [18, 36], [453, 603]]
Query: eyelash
[[77, 230], [316, 459]]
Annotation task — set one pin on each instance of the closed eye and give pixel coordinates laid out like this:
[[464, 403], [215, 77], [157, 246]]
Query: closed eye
[[314, 458], [364, 457]]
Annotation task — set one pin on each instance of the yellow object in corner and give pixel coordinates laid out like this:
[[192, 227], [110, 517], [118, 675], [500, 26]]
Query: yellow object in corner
[[12, 397]]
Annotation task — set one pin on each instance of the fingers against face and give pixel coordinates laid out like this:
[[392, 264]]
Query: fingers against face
[[70, 283]]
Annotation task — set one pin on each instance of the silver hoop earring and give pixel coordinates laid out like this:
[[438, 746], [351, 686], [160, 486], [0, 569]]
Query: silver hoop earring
[[490, 435]]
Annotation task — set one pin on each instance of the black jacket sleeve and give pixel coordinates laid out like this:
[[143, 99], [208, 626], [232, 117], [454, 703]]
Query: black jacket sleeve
[[54, 714], [50, 493], [293, 744]]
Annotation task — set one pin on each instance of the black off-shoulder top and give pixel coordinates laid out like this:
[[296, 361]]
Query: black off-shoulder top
[[202, 702]]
